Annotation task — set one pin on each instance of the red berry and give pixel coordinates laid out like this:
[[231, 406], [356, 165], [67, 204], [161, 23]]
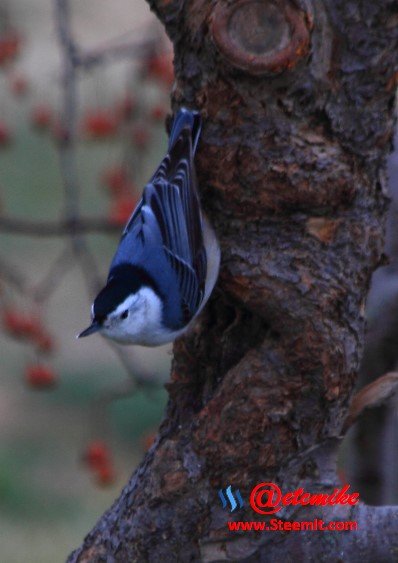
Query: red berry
[[10, 44], [19, 85], [40, 377], [117, 181], [160, 68], [97, 454], [21, 325], [11, 322], [41, 117], [158, 113], [140, 135], [100, 124], [105, 475], [29, 327], [122, 209]]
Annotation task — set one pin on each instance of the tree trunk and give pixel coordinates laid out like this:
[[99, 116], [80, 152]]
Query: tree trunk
[[298, 104]]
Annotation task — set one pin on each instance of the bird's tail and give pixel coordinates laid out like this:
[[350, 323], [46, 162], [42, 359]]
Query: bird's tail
[[186, 118]]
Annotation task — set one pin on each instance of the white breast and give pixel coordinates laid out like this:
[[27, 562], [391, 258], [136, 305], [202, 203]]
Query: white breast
[[213, 255]]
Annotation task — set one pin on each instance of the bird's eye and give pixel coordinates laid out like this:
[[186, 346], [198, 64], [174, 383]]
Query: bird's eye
[[125, 314]]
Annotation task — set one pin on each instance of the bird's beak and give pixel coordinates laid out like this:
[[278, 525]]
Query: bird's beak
[[94, 327]]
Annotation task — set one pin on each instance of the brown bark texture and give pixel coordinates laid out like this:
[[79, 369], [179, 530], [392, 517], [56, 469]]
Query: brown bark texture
[[297, 98]]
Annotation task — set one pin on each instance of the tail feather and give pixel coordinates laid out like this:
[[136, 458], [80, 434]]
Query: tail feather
[[186, 118]]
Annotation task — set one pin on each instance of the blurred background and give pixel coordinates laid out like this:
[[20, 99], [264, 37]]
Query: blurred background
[[66, 446], [84, 92]]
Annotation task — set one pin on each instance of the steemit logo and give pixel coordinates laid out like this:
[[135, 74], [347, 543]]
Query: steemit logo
[[233, 499]]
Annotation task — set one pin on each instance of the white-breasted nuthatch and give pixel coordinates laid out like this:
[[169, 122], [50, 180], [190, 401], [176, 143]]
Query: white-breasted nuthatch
[[167, 261]]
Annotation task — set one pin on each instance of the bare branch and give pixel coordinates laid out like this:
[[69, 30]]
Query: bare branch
[[111, 52], [51, 280], [63, 227], [11, 275]]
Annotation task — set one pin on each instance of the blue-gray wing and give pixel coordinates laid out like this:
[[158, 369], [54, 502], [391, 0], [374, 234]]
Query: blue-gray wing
[[169, 216]]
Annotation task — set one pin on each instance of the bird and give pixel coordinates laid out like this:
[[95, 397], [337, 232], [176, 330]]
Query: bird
[[167, 262]]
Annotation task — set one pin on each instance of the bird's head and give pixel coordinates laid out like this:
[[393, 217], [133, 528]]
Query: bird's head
[[111, 309], [125, 308]]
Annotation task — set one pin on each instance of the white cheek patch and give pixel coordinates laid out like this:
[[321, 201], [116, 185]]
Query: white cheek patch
[[143, 324]]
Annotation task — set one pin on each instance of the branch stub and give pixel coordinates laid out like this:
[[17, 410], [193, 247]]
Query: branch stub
[[261, 37]]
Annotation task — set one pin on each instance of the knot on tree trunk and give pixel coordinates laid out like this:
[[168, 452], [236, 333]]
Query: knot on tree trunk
[[261, 37]]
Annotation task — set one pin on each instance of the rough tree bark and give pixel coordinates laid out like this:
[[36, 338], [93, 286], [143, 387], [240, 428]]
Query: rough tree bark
[[298, 105]]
